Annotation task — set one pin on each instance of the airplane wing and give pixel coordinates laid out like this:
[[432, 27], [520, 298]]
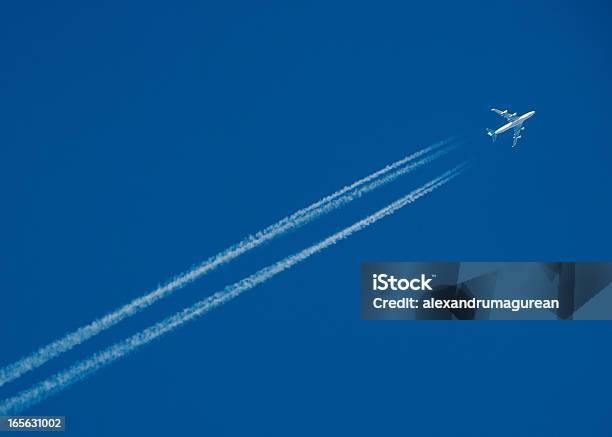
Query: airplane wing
[[505, 114], [517, 134]]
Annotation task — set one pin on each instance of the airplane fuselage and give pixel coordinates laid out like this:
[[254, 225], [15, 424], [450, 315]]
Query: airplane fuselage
[[514, 123]]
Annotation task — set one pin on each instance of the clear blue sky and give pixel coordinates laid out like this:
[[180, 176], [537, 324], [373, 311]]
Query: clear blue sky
[[139, 138]]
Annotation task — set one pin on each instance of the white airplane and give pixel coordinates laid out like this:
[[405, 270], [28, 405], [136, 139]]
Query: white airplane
[[513, 122]]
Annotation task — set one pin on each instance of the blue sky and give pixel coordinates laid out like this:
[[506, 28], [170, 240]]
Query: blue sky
[[140, 138]]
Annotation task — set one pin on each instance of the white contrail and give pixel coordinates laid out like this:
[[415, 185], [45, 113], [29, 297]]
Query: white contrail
[[299, 218], [77, 372]]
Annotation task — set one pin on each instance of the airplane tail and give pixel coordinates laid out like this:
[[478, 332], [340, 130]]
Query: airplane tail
[[491, 133]]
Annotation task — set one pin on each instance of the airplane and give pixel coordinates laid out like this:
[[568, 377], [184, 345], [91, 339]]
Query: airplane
[[513, 122]]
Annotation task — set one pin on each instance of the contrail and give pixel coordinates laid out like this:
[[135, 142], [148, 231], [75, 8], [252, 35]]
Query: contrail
[[77, 372], [294, 221]]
